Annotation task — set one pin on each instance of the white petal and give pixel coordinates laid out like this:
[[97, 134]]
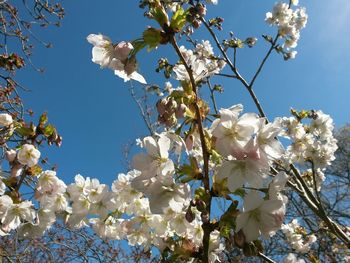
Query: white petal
[[151, 146], [164, 146], [141, 162], [98, 40], [252, 201], [167, 168], [138, 77], [251, 230], [241, 221]]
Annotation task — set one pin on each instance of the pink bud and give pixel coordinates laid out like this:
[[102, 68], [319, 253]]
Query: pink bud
[[10, 155]]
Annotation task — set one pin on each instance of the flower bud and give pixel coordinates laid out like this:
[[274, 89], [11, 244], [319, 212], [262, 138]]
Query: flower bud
[[251, 41], [189, 215], [239, 239], [161, 106], [10, 155], [201, 206], [205, 217], [196, 23], [201, 9]]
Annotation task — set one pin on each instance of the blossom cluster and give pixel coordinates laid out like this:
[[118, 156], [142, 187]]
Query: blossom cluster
[[249, 146], [289, 22], [149, 206], [126, 213], [297, 236], [312, 142], [201, 60]]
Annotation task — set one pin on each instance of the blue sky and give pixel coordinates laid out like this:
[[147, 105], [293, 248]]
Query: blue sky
[[96, 116]]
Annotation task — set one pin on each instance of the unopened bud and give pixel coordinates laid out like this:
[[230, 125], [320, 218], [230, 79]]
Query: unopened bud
[[196, 23], [161, 106], [189, 215], [10, 155], [205, 217], [239, 239], [201, 206], [251, 41], [201, 9]]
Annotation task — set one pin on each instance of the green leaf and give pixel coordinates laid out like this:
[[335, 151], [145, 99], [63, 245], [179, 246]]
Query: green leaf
[[191, 170], [138, 45], [25, 131], [152, 38], [178, 20], [43, 119], [159, 14], [49, 130], [200, 194]]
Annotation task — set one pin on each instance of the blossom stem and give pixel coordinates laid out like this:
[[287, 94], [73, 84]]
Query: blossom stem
[[273, 45], [212, 96], [235, 70], [317, 208], [206, 182], [266, 258], [142, 110]]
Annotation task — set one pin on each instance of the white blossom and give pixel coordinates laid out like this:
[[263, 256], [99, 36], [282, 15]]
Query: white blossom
[[5, 119], [28, 155], [259, 216], [232, 132], [297, 237], [248, 167], [156, 161], [17, 213], [200, 61], [116, 57], [289, 23]]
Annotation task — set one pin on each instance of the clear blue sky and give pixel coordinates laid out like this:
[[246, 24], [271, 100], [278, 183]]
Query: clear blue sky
[[96, 115]]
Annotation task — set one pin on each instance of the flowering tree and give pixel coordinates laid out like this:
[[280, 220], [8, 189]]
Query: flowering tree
[[210, 184]]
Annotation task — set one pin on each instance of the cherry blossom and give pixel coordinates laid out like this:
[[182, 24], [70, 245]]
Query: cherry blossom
[[5, 119], [259, 216], [116, 57], [28, 155]]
